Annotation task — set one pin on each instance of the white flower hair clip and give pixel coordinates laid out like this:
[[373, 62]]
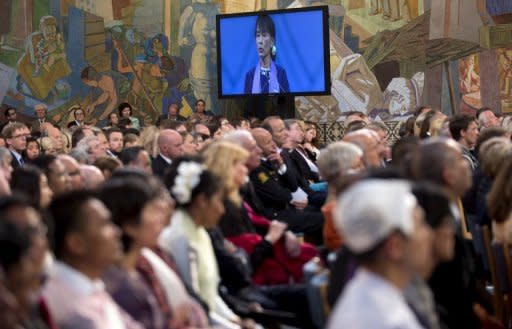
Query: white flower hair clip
[[187, 179]]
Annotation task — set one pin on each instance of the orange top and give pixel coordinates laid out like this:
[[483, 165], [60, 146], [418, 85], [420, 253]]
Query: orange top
[[332, 239]]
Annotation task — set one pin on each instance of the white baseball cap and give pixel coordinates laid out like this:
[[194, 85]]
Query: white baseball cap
[[370, 210]]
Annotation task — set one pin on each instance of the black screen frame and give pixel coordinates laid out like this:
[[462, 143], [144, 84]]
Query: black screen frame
[[326, 52]]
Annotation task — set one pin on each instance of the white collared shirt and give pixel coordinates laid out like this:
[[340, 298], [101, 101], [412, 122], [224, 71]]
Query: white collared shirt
[[86, 287], [370, 301], [169, 161]]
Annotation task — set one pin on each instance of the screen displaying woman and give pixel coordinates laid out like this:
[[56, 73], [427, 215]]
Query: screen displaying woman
[[266, 76]]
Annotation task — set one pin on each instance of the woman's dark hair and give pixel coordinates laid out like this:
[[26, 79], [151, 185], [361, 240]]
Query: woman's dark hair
[[26, 181], [209, 184], [31, 140], [130, 154], [126, 198], [265, 23], [434, 202], [123, 106], [14, 243]]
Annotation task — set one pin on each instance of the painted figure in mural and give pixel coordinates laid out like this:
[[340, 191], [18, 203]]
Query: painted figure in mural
[[44, 62], [505, 71], [103, 96], [266, 76], [469, 79], [395, 10], [197, 32], [172, 67]]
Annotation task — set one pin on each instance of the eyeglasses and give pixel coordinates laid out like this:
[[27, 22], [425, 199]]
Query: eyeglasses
[[22, 136]]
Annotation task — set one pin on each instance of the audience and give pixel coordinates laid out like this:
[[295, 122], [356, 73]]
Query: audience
[[389, 220]]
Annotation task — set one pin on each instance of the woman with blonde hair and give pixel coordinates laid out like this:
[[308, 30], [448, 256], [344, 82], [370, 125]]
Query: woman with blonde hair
[[149, 140], [277, 257]]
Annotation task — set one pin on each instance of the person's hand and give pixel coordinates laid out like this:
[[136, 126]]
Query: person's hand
[[275, 231], [300, 205], [276, 159], [292, 244], [248, 324]]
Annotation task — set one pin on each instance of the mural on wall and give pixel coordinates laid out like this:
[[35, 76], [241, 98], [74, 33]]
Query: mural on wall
[[469, 84], [99, 53], [505, 78]]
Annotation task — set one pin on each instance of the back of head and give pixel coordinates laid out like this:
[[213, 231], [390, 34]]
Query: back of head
[[435, 203], [26, 181], [499, 198], [366, 220], [187, 178], [14, 243], [338, 158], [492, 154], [430, 160], [130, 154]]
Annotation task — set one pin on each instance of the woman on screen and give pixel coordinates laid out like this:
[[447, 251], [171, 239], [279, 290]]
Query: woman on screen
[[266, 76]]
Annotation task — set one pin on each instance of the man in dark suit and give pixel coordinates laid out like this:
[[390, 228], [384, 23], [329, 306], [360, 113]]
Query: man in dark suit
[[10, 115], [277, 129], [277, 188], [37, 125], [170, 145], [16, 138], [173, 114]]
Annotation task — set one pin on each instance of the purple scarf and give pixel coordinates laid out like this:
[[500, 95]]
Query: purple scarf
[[274, 84]]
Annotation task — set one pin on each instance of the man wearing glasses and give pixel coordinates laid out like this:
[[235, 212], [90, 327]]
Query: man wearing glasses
[[16, 137]]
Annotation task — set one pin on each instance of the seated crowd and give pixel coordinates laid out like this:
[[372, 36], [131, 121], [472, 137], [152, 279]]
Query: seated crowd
[[203, 222]]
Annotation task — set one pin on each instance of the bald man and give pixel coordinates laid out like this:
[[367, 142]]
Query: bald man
[[170, 147], [371, 144]]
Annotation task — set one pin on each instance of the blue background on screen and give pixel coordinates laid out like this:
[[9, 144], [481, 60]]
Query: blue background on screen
[[299, 42]]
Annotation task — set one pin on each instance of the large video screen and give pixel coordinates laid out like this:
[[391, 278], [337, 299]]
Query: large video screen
[[281, 52]]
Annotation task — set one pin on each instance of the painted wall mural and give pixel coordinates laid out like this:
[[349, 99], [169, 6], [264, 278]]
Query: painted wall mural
[[152, 53], [505, 78], [469, 84]]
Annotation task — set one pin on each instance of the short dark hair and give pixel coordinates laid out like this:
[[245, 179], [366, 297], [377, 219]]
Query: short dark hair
[[7, 109], [434, 202], [126, 198], [26, 181], [355, 125], [200, 101], [109, 132], [67, 214], [129, 154], [265, 23], [44, 161], [14, 242], [123, 106], [77, 136], [460, 122], [209, 184]]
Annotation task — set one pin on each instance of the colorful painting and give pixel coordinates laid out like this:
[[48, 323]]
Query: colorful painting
[[153, 53], [505, 78], [469, 84]]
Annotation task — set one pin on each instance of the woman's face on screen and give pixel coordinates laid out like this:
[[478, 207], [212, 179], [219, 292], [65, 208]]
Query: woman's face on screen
[[263, 43]]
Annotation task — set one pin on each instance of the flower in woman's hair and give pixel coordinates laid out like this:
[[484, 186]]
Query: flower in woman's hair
[[187, 179]]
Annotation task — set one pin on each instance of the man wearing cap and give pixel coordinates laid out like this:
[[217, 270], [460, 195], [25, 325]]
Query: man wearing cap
[[380, 233]]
